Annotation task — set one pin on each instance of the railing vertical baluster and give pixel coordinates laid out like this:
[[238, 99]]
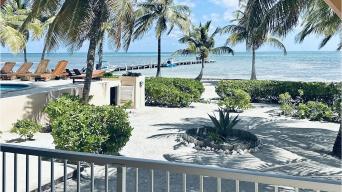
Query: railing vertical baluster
[[237, 185], [39, 173], [78, 176], [121, 179], [184, 182], [92, 177], [152, 180], [15, 172], [27, 173], [276, 189], [256, 187], [167, 181], [106, 178], [201, 187], [3, 171], [52, 181], [136, 179], [65, 175], [219, 184]]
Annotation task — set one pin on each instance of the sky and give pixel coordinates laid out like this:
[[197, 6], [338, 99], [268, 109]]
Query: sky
[[220, 13]]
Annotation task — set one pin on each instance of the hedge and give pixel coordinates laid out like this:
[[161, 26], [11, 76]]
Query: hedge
[[172, 92], [87, 128], [269, 91]]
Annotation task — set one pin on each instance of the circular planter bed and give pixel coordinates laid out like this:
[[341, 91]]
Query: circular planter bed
[[238, 141]]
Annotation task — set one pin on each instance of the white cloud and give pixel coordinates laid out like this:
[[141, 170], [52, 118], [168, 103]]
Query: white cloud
[[229, 5], [189, 3]]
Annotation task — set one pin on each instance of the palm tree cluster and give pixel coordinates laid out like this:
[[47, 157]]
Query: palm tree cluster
[[72, 23]]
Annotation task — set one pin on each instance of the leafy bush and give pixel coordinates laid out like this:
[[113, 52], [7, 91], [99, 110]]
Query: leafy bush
[[302, 111], [318, 111], [26, 128], [224, 124], [87, 128], [237, 99], [172, 92], [268, 91], [286, 105]]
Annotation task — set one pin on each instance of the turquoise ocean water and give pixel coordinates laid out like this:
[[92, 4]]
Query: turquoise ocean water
[[297, 66]]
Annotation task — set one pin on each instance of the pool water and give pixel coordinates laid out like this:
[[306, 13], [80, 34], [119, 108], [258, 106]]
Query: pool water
[[12, 87]]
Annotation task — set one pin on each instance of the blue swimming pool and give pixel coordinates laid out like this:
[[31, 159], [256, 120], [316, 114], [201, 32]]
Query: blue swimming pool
[[12, 86]]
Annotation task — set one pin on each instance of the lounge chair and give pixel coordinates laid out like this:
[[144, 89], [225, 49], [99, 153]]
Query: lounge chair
[[41, 68], [97, 74], [58, 72], [22, 71], [7, 68]]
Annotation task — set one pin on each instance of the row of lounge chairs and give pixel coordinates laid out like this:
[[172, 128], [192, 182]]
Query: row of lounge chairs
[[41, 73]]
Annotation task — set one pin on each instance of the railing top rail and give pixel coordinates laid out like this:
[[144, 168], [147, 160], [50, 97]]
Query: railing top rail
[[225, 173]]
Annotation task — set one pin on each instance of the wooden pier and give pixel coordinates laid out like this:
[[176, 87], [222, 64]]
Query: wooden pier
[[150, 66]]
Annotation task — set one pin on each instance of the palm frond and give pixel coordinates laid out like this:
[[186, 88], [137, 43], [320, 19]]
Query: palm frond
[[276, 43], [223, 50]]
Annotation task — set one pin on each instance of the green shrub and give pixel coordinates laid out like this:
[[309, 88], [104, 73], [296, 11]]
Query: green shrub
[[268, 91], [172, 92], [286, 105], [224, 123], [87, 128], [26, 128], [302, 111], [318, 111], [237, 99]]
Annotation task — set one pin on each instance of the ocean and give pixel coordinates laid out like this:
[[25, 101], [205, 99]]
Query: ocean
[[295, 66]]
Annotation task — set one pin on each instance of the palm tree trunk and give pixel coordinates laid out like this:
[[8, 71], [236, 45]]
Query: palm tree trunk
[[253, 76], [100, 52], [159, 57], [199, 77], [25, 55], [89, 70], [43, 53], [337, 149]]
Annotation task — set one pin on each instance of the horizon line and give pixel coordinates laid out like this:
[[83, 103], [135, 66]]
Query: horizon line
[[120, 52]]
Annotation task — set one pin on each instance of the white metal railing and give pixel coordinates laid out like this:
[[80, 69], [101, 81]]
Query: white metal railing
[[122, 163]]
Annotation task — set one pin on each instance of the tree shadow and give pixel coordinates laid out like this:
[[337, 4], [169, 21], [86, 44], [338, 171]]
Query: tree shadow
[[286, 149]]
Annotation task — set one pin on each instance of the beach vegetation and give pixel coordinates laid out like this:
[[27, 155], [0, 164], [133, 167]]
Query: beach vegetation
[[12, 34], [164, 15], [76, 22], [222, 135], [236, 100], [268, 91], [201, 42], [286, 104], [319, 19], [87, 128], [172, 92], [246, 28], [224, 123], [26, 128]]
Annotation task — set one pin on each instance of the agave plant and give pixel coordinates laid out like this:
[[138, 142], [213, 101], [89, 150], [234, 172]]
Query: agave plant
[[224, 124]]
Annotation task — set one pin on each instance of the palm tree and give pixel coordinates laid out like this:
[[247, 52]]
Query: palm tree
[[166, 15], [247, 29], [321, 20], [79, 21], [200, 42], [128, 15], [14, 13]]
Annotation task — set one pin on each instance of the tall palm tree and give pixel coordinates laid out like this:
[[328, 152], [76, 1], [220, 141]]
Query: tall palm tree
[[78, 21], [127, 14], [13, 14], [321, 20], [247, 29], [201, 42], [166, 15]]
